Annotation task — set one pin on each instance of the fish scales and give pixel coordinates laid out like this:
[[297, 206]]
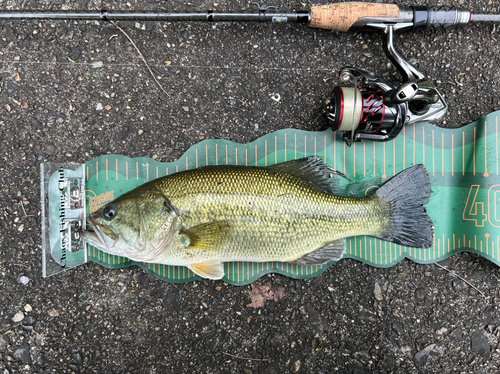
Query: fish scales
[[273, 214]]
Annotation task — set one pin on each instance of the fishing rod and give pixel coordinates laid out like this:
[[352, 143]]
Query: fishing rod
[[363, 106]]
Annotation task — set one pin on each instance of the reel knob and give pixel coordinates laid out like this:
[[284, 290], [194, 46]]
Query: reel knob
[[402, 94]]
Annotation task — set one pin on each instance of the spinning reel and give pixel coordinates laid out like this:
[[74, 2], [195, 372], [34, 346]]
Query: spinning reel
[[371, 109]]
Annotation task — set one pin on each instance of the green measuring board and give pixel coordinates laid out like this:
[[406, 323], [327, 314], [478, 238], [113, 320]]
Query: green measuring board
[[463, 166]]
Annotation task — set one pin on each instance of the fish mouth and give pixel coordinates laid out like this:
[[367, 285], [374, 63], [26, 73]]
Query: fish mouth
[[97, 238]]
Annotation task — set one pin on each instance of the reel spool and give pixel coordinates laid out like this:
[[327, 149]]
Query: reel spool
[[362, 112], [375, 110]]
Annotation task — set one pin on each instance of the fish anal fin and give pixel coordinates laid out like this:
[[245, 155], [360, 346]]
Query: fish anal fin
[[212, 269], [211, 236], [332, 251]]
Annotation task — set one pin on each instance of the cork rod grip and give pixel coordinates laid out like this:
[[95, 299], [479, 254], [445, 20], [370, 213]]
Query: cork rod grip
[[342, 16]]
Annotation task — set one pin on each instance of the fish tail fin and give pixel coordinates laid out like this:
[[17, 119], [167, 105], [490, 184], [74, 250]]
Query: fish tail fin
[[407, 193]]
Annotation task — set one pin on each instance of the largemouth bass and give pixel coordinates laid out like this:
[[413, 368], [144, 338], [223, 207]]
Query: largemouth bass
[[287, 212]]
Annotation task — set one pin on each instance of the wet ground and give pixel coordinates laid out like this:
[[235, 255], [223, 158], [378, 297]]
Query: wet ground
[[73, 90]]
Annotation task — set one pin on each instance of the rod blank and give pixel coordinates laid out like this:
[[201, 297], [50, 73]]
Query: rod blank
[[302, 17], [485, 18]]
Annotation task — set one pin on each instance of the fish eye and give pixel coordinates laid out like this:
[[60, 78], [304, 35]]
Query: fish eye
[[109, 212]]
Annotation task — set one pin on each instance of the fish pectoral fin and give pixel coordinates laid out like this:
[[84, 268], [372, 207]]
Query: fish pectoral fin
[[206, 237], [332, 251], [213, 269]]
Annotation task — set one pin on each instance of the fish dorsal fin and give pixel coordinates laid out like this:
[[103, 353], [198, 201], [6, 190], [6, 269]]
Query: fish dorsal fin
[[211, 236], [332, 251], [313, 170], [212, 269]]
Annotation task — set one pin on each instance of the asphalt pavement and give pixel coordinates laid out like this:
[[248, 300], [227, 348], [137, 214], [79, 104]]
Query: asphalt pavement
[[74, 90]]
